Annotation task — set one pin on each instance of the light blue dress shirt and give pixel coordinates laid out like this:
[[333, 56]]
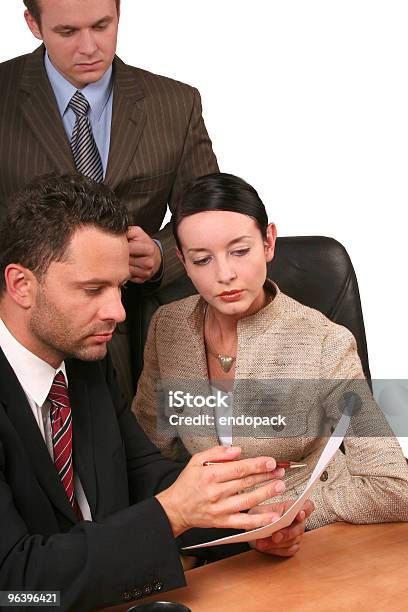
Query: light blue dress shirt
[[99, 96]]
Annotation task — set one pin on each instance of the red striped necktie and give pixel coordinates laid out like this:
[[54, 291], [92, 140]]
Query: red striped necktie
[[61, 427]]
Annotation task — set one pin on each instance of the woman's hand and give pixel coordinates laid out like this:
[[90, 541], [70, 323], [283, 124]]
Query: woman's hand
[[285, 542]]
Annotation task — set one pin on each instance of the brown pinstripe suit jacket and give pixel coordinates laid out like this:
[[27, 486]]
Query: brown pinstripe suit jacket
[[158, 140]]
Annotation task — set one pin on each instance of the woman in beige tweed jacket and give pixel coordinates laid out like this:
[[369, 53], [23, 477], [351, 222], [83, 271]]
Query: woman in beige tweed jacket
[[224, 241]]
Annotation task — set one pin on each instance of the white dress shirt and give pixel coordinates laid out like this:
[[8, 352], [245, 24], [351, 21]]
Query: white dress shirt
[[36, 377]]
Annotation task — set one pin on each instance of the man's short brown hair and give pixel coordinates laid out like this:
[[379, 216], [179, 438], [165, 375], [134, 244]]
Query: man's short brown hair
[[43, 217], [33, 7]]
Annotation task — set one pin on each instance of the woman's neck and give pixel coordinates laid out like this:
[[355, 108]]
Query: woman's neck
[[222, 326], [226, 325]]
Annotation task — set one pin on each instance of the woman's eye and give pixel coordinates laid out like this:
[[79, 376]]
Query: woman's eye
[[202, 261], [240, 252]]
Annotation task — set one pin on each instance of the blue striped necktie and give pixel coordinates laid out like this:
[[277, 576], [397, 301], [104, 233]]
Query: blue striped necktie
[[86, 155]]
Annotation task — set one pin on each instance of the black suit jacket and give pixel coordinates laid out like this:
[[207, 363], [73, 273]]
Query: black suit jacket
[[129, 547], [128, 551]]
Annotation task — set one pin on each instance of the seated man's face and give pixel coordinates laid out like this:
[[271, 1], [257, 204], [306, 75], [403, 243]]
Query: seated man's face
[[77, 303], [80, 36]]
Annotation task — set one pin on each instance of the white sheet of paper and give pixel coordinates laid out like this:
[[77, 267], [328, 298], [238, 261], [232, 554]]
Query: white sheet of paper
[[287, 518]]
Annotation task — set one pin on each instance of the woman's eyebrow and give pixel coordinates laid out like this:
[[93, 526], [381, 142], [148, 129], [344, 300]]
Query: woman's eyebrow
[[232, 242]]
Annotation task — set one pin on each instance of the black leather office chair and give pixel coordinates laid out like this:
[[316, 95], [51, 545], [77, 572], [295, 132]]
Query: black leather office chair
[[314, 270]]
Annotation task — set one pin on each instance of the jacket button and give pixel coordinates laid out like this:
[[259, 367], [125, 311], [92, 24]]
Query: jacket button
[[147, 589], [324, 476], [157, 585]]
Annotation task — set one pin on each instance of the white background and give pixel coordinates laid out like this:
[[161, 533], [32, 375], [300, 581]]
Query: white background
[[308, 101]]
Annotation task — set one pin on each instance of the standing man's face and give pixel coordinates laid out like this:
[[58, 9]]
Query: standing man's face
[[80, 36]]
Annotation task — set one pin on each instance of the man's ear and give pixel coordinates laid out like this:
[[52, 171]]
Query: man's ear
[[33, 25], [270, 241], [21, 285]]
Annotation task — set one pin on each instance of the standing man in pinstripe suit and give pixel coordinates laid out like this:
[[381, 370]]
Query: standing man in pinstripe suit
[[148, 129]]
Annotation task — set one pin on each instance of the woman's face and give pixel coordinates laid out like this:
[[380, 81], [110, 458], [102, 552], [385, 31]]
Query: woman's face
[[225, 257]]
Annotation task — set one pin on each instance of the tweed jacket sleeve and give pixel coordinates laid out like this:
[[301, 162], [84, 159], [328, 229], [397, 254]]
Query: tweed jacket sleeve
[[144, 405], [369, 482]]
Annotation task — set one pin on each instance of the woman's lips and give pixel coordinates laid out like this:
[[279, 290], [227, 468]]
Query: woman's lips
[[231, 296]]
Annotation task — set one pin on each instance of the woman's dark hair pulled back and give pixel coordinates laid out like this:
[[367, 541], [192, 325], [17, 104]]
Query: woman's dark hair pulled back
[[220, 191]]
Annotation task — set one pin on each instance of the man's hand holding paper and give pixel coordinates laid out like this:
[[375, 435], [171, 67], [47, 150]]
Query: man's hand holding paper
[[216, 496]]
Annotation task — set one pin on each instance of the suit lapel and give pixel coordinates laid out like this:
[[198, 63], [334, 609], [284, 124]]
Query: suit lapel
[[195, 322], [128, 120], [21, 415], [195, 339], [84, 462], [40, 110]]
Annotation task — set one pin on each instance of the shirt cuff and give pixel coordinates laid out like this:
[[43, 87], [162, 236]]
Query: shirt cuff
[[158, 277]]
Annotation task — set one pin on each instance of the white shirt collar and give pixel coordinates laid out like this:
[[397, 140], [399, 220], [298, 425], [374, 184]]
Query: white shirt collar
[[34, 374]]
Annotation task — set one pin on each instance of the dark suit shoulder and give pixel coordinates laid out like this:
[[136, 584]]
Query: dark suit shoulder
[[13, 65], [160, 81], [154, 84], [11, 70], [13, 78]]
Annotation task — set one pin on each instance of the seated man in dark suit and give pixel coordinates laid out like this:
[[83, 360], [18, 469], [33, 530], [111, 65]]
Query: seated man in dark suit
[[82, 490]]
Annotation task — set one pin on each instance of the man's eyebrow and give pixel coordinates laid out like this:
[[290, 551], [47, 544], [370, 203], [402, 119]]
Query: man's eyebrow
[[103, 20], [231, 243], [102, 281], [106, 19], [93, 281]]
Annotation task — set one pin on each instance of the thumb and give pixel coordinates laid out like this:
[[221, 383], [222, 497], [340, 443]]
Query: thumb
[[217, 454]]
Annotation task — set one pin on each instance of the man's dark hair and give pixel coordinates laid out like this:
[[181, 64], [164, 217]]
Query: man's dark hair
[[220, 191], [45, 214], [34, 7]]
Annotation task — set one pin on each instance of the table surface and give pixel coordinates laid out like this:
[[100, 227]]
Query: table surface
[[340, 567]]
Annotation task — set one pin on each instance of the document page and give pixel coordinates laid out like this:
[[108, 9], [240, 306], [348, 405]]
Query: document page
[[287, 518]]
